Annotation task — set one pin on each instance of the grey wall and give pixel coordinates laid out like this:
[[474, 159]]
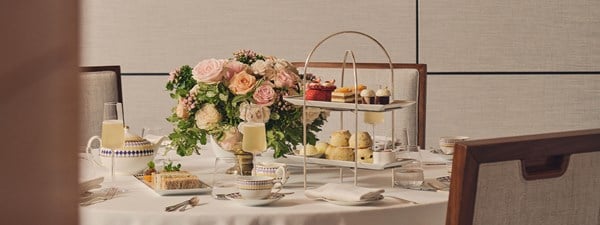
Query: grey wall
[[463, 37]]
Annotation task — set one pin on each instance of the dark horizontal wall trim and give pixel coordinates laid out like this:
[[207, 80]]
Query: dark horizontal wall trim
[[518, 73], [442, 73], [144, 74]]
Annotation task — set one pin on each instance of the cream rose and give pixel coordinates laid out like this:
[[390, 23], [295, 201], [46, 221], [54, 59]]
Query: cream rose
[[286, 78], [254, 113], [242, 83], [265, 94], [207, 117], [313, 113], [209, 71], [233, 67], [263, 68]]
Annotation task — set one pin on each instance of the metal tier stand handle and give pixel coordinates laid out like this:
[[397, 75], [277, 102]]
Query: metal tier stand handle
[[304, 80]]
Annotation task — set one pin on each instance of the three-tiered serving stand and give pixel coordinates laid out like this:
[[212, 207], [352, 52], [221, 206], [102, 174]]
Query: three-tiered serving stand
[[355, 107]]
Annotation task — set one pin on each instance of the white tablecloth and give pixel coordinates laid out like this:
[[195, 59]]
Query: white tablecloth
[[140, 205]]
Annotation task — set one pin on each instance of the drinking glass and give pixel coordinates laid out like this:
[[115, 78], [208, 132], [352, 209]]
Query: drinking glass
[[373, 118], [113, 131], [254, 139], [223, 180], [410, 175]]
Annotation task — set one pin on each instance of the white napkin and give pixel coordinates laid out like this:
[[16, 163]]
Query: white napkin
[[429, 158], [90, 184], [344, 192]]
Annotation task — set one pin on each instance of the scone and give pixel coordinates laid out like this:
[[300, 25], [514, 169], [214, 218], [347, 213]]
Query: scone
[[365, 155], [321, 147], [339, 153], [339, 138], [364, 140]]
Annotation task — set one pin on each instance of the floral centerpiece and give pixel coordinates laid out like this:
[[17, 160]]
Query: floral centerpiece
[[211, 95]]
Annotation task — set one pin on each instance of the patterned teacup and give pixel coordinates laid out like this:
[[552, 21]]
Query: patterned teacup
[[257, 187], [277, 171]]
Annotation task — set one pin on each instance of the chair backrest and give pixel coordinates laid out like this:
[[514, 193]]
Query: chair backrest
[[99, 84], [536, 179], [410, 83]]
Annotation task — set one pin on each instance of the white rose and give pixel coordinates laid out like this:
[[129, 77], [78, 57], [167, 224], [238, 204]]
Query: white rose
[[207, 117], [254, 113], [263, 68], [313, 113]]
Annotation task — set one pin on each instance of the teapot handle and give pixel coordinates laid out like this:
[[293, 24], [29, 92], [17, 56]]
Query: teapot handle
[[89, 149]]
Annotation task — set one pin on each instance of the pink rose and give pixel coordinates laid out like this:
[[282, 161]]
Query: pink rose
[[264, 94], [241, 83], [233, 67], [286, 78], [231, 140], [209, 71]]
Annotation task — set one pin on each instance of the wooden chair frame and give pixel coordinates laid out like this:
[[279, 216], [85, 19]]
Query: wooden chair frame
[[542, 156], [422, 86]]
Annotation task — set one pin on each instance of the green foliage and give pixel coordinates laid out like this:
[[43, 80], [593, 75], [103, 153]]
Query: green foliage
[[171, 168], [284, 128]]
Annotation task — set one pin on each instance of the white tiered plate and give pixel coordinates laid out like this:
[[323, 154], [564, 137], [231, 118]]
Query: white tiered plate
[[396, 104], [350, 164]]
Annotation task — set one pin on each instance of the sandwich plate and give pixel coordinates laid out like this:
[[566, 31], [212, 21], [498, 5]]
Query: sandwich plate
[[204, 188]]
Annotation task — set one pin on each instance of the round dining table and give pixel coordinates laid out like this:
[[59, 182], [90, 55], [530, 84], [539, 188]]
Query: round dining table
[[137, 204]]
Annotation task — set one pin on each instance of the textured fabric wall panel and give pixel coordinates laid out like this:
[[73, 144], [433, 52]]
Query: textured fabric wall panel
[[514, 35], [486, 106], [157, 36], [146, 102]]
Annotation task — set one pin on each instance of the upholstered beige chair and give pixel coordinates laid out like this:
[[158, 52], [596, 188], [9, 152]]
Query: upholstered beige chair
[[99, 84], [410, 82], [546, 179]]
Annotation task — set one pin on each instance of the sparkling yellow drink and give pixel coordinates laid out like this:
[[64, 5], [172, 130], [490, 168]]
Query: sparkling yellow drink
[[255, 139], [373, 117], [113, 134]]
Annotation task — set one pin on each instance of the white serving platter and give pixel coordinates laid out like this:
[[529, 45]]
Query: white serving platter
[[396, 104], [348, 164]]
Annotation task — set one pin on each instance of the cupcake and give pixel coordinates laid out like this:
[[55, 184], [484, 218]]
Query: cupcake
[[368, 96], [382, 96], [319, 92]]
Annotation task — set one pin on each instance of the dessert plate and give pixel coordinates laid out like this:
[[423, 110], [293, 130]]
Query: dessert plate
[[236, 197], [352, 203]]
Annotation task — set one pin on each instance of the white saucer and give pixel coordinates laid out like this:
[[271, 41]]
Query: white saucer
[[352, 203], [236, 197]]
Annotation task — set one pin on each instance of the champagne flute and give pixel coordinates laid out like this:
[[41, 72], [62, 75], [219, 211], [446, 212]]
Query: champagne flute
[[113, 131], [254, 140], [374, 118]]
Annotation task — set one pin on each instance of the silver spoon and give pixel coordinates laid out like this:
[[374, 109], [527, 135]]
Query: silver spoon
[[179, 205], [193, 202]]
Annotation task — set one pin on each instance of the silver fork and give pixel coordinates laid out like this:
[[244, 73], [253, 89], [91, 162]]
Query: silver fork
[[110, 194]]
